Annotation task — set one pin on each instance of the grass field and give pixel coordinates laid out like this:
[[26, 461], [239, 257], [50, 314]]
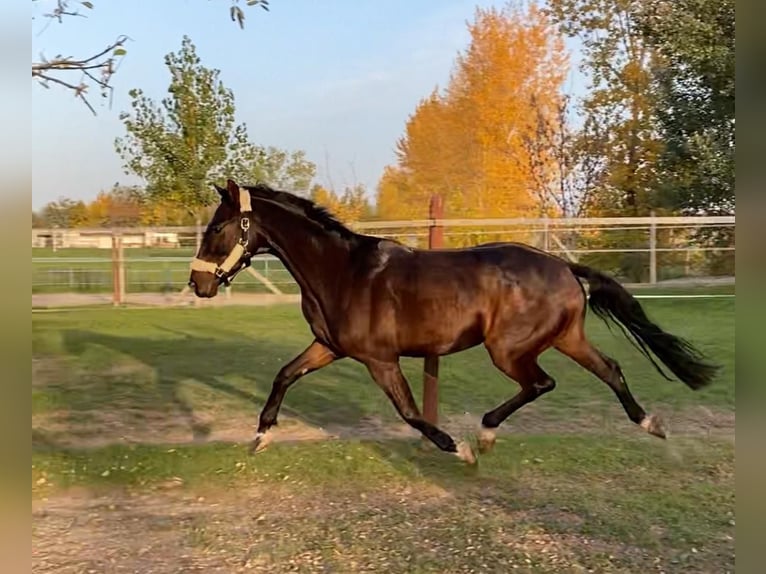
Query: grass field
[[139, 462]]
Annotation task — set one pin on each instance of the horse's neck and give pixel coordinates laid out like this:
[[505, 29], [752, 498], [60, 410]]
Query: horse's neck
[[311, 254]]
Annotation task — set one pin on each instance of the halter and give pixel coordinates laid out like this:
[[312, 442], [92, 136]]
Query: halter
[[238, 252]]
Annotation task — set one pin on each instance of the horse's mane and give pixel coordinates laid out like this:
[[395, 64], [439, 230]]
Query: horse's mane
[[302, 206]]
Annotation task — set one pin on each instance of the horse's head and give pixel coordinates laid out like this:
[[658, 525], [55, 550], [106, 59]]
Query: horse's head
[[228, 243]]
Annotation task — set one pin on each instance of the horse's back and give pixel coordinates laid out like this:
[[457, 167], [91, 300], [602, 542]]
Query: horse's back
[[517, 259], [482, 268]]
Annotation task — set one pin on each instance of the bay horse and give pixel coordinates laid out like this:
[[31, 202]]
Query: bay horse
[[375, 300]]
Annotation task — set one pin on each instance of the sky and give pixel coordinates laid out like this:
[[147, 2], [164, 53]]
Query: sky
[[335, 78]]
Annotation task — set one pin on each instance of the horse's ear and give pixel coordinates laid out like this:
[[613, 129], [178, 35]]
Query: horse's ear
[[222, 192], [232, 189], [230, 193]]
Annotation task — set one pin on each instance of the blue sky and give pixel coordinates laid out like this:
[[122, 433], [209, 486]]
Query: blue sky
[[335, 78]]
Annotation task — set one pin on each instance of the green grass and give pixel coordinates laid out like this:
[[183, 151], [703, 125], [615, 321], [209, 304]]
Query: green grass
[[226, 359], [572, 486]]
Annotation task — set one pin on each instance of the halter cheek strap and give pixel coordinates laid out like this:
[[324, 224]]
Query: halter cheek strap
[[237, 252]]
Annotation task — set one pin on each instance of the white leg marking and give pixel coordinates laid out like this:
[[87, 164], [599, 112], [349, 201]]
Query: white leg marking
[[465, 452], [260, 441], [486, 438], [653, 425]]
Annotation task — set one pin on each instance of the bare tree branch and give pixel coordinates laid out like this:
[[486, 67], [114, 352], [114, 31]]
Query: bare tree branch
[[99, 68], [562, 167], [105, 61]]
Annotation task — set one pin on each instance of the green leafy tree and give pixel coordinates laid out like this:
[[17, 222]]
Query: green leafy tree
[[190, 138], [282, 169], [695, 94], [619, 110], [695, 86], [178, 145]]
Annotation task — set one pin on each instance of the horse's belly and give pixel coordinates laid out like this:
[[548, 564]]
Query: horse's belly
[[441, 335]]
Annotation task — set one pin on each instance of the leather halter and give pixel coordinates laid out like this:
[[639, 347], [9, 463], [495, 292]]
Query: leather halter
[[237, 253]]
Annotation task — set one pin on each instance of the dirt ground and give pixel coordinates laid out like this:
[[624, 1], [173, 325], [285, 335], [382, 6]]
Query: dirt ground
[[258, 531], [170, 529], [104, 428]]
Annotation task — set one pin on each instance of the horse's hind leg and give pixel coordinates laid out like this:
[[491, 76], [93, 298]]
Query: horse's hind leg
[[389, 376], [578, 348], [534, 383]]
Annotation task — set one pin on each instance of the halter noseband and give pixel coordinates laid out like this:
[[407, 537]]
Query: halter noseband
[[238, 252]]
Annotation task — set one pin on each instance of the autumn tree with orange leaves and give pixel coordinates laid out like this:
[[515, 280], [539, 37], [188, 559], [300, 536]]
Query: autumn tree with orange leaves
[[470, 142], [349, 207]]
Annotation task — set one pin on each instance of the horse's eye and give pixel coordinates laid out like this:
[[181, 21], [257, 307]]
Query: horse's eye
[[218, 228]]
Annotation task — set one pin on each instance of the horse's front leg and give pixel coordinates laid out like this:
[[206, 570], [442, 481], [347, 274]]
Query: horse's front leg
[[389, 377], [313, 358]]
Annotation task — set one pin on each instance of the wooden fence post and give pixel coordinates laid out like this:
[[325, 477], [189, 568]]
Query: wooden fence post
[[198, 242], [431, 363], [653, 249], [118, 271]]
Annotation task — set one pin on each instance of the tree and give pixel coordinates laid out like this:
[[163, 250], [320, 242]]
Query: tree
[[354, 202], [101, 65], [64, 213], [190, 139], [694, 82], [467, 142], [281, 169], [38, 221], [620, 124], [351, 206], [394, 196], [560, 163], [177, 145], [118, 207], [429, 159]]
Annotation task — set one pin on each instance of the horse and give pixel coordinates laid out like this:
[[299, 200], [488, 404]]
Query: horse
[[375, 300]]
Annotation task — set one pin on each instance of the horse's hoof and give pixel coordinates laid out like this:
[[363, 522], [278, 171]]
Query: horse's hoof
[[260, 442], [653, 425], [486, 439], [465, 452]]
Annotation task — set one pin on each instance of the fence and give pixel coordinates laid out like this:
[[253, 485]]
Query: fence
[[638, 250], [634, 250]]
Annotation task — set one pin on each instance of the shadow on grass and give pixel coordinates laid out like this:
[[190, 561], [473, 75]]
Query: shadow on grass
[[234, 374]]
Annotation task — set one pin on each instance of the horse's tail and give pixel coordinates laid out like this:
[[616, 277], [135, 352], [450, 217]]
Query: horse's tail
[[610, 300]]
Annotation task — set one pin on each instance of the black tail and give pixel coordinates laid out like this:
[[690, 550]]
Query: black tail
[[610, 300]]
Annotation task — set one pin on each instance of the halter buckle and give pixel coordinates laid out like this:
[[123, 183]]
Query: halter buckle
[[244, 224]]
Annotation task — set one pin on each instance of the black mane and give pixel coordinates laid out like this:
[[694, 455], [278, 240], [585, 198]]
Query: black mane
[[302, 206]]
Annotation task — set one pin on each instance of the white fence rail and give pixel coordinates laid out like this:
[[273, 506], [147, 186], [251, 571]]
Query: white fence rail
[[156, 260]]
